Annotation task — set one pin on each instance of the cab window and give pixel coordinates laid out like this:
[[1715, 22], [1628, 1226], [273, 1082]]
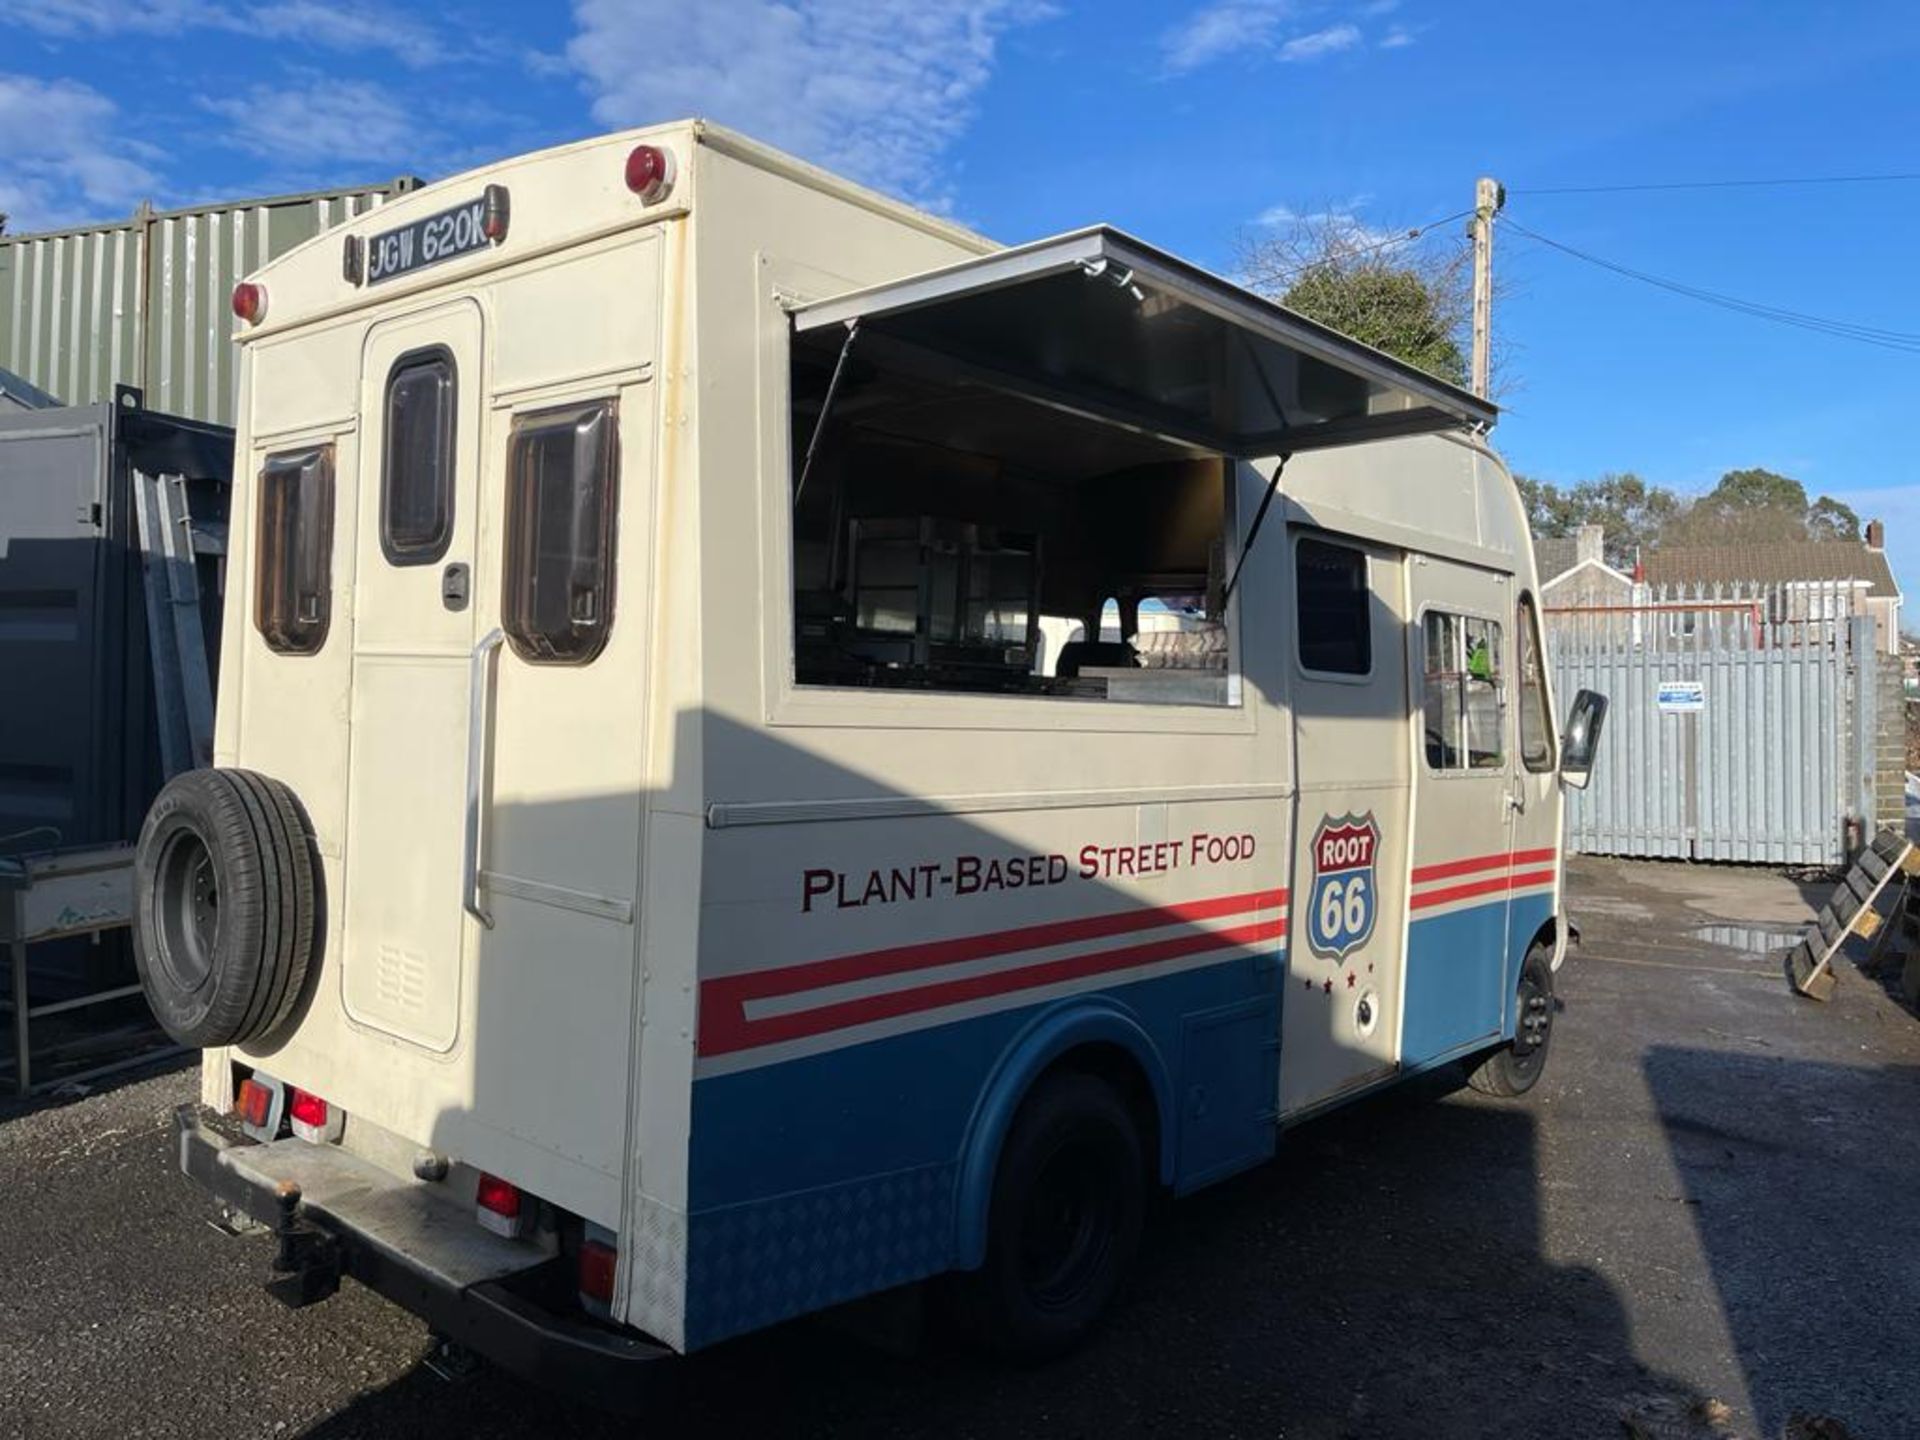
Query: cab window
[[1462, 701], [562, 465], [416, 473], [293, 589]]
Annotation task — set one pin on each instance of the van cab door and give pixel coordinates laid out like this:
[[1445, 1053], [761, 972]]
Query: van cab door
[[1465, 796]]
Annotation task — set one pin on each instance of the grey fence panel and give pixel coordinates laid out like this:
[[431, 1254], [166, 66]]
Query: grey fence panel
[[1735, 726]]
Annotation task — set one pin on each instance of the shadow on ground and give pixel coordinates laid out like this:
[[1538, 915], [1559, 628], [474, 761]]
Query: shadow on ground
[[1383, 1277]]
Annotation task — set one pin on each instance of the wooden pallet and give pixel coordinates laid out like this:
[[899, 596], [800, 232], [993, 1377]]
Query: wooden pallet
[[1891, 857]]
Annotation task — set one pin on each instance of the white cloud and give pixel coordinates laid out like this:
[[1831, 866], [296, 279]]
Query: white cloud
[[62, 161], [323, 122], [875, 88], [1340, 224], [1329, 41], [343, 25], [1217, 31], [1398, 37]]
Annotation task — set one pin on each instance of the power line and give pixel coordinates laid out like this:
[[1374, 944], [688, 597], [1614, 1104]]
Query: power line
[[1406, 237], [1716, 184], [1903, 340]]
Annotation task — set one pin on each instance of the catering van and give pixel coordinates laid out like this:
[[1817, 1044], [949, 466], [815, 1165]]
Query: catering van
[[770, 750]]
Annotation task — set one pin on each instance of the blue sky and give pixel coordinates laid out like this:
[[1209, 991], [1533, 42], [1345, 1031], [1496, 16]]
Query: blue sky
[[1182, 122]]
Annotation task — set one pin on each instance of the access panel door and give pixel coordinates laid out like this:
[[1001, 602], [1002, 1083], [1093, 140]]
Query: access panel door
[[413, 631], [1464, 800], [1349, 687]]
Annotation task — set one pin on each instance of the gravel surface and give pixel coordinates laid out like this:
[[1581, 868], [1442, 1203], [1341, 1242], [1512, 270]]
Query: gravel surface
[[1703, 1223]]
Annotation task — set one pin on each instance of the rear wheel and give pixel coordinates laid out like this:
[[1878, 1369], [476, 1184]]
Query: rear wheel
[[1069, 1202], [1516, 1067]]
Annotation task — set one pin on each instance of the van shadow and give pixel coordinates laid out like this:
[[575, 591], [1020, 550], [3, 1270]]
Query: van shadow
[[1804, 1206], [1383, 1278]]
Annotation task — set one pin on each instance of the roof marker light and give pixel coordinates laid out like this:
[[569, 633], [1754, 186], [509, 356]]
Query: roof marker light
[[250, 301], [650, 172], [496, 210]]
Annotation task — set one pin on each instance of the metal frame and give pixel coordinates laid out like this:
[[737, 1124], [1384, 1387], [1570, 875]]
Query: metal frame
[[106, 874], [1102, 252]]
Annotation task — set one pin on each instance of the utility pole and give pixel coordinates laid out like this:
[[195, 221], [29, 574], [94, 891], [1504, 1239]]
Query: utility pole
[[1489, 195]]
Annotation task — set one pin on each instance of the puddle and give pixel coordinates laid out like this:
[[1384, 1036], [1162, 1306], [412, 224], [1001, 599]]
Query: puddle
[[1755, 939]]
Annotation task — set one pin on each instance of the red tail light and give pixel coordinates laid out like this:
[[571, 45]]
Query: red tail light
[[598, 1259], [250, 302], [650, 172], [313, 1119], [497, 1205], [307, 1109]]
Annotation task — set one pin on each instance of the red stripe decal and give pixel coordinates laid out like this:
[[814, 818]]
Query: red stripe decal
[[1480, 887], [1503, 860], [724, 1022]]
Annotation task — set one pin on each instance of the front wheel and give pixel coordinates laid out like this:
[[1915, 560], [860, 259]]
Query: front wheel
[[1069, 1203], [1516, 1067]]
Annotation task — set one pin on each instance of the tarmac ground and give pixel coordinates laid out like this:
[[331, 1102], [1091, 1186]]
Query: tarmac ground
[[1704, 1222]]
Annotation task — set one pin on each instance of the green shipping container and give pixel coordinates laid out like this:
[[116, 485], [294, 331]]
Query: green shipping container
[[145, 301]]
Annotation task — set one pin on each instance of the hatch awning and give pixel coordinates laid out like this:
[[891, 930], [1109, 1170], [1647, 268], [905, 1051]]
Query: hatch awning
[[1098, 324]]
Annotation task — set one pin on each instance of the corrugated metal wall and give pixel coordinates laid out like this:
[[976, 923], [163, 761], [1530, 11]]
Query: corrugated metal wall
[[1760, 764], [146, 302]]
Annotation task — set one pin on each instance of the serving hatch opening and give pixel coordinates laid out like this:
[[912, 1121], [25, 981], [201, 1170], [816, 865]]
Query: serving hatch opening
[[1015, 474]]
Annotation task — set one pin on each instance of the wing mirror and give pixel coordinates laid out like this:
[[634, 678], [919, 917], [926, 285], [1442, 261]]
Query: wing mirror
[[1581, 742]]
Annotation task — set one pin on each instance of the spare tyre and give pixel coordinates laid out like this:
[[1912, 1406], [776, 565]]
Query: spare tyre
[[225, 895]]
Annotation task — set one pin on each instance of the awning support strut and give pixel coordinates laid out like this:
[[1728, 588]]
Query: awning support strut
[[1253, 530], [826, 409]]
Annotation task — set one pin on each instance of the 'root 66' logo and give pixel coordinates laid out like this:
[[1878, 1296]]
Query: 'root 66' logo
[[1341, 909]]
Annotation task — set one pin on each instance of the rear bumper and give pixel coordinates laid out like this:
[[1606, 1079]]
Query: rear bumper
[[319, 1241]]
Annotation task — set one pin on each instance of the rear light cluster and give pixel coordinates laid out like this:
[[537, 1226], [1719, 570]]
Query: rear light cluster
[[500, 1207], [599, 1258], [313, 1119], [255, 1104]]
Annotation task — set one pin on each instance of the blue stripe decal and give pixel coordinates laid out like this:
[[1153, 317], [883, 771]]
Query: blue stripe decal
[[1462, 971]]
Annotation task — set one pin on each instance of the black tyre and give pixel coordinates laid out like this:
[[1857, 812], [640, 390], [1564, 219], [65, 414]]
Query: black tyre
[[1516, 1067], [1069, 1201], [225, 902]]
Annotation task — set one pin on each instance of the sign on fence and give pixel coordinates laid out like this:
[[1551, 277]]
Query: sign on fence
[[1680, 697]]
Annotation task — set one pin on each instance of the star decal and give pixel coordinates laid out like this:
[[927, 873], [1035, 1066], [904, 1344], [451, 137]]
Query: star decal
[[1349, 980]]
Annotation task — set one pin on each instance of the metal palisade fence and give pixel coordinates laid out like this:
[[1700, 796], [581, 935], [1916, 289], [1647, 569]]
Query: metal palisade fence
[[1742, 723]]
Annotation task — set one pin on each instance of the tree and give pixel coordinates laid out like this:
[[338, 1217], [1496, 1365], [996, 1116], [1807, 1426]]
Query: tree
[[1412, 300], [1759, 506], [1632, 513]]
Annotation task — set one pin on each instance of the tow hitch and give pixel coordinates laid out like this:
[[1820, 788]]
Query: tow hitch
[[306, 1261]]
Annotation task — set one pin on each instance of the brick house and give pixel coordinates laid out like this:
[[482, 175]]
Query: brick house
[[1807, 574]]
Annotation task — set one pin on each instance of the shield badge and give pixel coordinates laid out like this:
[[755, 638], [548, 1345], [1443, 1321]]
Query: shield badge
[[1344, 897]]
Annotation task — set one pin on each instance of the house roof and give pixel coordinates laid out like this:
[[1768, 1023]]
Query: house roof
[[1778, 563], [1554, 555]]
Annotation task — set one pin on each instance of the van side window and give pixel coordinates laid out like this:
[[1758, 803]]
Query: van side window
[[1536, 734], [561, 480], [416, 472], [1335, 623], [1461, 698], [293, 589]]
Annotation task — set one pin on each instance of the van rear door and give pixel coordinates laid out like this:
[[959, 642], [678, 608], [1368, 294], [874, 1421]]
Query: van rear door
[[413, 629]]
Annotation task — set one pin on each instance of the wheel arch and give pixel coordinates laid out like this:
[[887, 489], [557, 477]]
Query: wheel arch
[[1097, 1035]]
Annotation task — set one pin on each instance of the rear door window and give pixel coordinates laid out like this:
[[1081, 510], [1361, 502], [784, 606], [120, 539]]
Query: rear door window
[[416, 474], [293, 589], [561, 472]]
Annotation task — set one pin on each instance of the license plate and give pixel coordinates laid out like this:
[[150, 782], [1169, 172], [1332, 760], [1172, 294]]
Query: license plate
[[445, 236]]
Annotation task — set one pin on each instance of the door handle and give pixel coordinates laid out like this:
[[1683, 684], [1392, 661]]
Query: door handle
[[480, 670], [1516, 800]]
